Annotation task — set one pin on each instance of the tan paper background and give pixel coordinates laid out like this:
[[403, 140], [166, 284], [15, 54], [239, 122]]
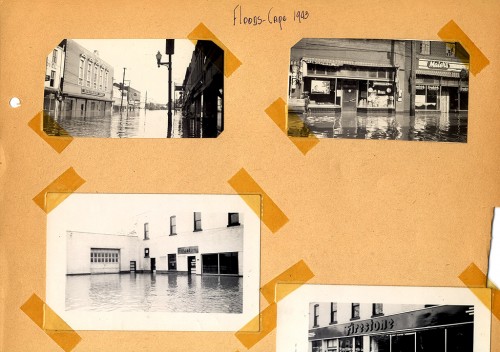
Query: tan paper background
[[361, 211]]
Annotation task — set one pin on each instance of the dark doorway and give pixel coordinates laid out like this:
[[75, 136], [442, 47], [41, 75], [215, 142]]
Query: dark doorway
[[349, 93], [191, 265], [403, 343], [153, 264], [132, 266]]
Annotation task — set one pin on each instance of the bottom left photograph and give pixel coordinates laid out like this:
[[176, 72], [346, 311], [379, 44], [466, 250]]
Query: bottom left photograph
[[141, 262]]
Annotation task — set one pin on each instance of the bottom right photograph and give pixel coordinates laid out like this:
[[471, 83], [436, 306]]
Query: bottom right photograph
[[382, 319]]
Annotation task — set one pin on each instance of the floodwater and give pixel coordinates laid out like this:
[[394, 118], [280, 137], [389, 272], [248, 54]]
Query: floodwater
[[425, 126], [132, 124], [151, 292]]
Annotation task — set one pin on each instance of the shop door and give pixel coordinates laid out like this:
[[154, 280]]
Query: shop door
[[153, 264], [191, 265], [349, 95], [403, 343], [445, 100]]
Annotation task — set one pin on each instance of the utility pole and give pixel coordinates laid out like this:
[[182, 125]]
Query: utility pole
[[413, 78], [123, 87], [170, 87], [146, 101]]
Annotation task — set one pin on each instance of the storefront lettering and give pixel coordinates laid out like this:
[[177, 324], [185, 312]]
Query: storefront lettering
[[369, 326], [438, 64], [92, 92], [187, 250]]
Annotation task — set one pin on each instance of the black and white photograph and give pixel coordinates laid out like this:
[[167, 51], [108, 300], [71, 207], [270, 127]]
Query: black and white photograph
[[135, 261], [134, 88], [412, 90], [383, 319]]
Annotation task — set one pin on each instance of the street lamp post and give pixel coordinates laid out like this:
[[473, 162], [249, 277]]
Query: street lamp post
[[169, 66]]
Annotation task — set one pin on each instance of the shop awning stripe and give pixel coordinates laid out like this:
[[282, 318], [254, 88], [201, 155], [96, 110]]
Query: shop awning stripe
[[438, 73], [336, 62]]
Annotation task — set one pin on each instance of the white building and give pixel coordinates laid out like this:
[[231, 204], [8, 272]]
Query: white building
[[376, 327], [54, 73], [190, 242]]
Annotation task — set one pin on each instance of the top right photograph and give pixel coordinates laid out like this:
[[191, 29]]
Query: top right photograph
[[413, 90]]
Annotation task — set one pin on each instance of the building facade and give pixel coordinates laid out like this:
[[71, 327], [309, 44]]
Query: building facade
[[203, 85], [377, 327], [192, 243], [54, 74], [85, 88], [371, 75]]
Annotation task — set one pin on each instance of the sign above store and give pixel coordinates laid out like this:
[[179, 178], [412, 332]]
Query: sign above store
[[187, 250], [438, 64], [92, 92], [442, 65]]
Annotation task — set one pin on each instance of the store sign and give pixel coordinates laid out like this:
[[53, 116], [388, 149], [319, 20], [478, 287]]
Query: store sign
[[464, 89], [432, 87], [92, 92], [369, 326], [443, 65], [187, 250]]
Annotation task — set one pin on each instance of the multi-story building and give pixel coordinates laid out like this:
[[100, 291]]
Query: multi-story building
[[203, 85], [54, 74], [370, 75], [377, 327], [189, 242], [131, 98], [85, 87]]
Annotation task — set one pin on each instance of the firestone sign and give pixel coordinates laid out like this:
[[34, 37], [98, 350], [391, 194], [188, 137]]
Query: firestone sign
[[187, 250], [369, 326]]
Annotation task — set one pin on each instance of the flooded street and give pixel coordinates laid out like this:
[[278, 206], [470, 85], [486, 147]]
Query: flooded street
[[425, 126], [152, 292], [133, 124]]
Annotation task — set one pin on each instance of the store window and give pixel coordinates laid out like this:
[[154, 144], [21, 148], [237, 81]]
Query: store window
[[345, 344], [460, 338], [228, 263], [81, 71], [425, 47], [426, 97], [197, 221], [376, 94], [431, 340], [333, 313], [210, 263], [355, 311], [316, 315], [316, 346], [173, 225], [377, 309], [146, 252], [172, 262], [332, 345], [146, 231], [89, 73], [233, 219], [358, 344], [380, 343]]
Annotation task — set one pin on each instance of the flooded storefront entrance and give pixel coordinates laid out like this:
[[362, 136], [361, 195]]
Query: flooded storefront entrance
[[152, 292]]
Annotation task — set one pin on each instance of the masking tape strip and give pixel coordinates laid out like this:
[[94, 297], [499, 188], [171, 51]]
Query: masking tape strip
[[298, 273], [272, 216], [59, 143], [61, 188], [277, 111], [475, 280], [231, 62], [452, 32], [42, 315]]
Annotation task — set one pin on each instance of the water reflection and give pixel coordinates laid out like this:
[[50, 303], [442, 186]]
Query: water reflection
[[442, 127], [155, 293], [131, 124]]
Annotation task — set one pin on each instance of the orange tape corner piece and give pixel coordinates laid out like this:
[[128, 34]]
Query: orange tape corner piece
[[231, 62], [58, 143], [267, 322], [473, 276], [298, 273], [42, 315], [272, 216], [452, 32], [277, 112], [304, 144], [60, 189], [495, 304]]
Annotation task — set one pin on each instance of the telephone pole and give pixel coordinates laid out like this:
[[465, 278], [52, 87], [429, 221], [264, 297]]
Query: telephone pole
[[123, 87]]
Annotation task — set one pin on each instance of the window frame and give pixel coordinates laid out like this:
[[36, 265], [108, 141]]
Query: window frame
[[425, 47], [197, 222], [173, 225], [230, 222], [333, 313], [316, 315], [377, 312], [353, 310], [146, 252], [146, 231]]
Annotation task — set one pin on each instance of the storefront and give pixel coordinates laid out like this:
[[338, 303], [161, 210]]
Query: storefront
[[343, 85], [436, 328], [441, 86]]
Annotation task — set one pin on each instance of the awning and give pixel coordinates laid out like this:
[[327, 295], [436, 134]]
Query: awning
[[336, 62], [438, 73]]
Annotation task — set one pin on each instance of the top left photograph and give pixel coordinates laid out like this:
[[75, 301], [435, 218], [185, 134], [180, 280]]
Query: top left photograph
[[134, 88]]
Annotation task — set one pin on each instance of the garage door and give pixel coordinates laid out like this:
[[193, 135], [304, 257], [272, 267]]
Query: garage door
[[104, 261]]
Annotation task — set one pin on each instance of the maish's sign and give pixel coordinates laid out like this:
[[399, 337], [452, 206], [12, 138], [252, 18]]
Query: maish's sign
[[442, 65]]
